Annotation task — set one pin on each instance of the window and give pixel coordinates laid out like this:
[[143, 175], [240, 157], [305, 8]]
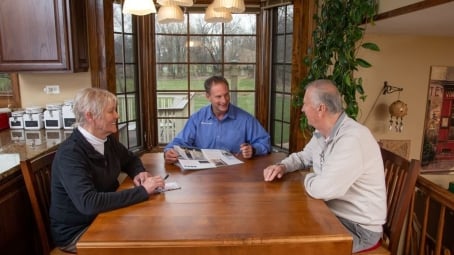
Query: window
[[190, 52], [281, 76], [9, 90], [127, 88]]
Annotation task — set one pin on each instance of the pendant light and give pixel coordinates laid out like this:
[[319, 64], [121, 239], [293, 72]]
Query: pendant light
[[234, 6], [169, 14], [139, 7], [213, 16], [185, 3]]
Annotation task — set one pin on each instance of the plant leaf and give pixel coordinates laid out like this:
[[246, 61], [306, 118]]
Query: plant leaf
[[363, 63], [370, 46]]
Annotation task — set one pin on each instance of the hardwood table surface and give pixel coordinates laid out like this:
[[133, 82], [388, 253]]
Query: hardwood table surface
[[225, 210]]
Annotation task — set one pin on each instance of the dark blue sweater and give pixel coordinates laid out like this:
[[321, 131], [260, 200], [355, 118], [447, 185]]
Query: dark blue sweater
[[84, 184]]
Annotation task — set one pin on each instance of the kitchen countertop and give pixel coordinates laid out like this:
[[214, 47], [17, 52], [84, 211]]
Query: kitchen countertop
[[18, 145]]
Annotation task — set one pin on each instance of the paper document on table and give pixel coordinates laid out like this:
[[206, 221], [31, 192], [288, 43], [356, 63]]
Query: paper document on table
[[194, 158], [168, 186]]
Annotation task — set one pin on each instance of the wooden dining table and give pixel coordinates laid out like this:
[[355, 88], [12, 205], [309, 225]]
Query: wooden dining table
[[224, 210]]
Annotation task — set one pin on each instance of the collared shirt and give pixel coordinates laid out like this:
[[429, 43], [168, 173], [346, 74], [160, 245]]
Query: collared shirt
[[203, 130]]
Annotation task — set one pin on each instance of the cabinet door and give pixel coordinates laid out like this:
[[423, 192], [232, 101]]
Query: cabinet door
[[35, 35], [18, 233]]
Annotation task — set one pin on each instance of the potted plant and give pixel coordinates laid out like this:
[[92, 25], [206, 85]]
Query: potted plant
[[336, 39]]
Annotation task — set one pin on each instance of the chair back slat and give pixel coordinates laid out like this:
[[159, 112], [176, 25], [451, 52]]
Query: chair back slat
[[400, 178], [37, 178]]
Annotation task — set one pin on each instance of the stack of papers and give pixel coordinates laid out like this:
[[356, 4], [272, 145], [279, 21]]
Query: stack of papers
[[194, 158]]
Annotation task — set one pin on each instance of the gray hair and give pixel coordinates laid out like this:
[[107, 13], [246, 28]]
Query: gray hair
[[325, 92], [93, 100]]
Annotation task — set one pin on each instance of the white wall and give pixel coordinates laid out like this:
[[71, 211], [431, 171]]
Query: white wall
[[32, 85], [403, 61]]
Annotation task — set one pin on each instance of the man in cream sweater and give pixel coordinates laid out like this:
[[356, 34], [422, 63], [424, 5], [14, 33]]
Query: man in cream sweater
[[347, 166]]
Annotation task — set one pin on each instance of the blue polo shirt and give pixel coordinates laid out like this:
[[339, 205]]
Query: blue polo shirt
[[203, 130]]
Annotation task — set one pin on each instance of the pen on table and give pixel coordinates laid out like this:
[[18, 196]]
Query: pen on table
[[165, 177]]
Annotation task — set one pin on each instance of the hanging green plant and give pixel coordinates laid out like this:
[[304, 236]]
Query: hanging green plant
[[336, 40]]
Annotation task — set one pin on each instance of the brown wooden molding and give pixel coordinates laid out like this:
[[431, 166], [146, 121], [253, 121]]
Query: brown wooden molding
[[410, 8]]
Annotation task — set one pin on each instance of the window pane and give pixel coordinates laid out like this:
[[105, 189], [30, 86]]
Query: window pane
[[199, 26], [205, 49], [242, 24], [171, 48], [288, 49], [288, 78], [240, 77], [289, 21], [129, 48], [172, 28], [173, 104], [280, 50], [6, 88], [287, 108], [199, 73], [278, 102], [171, 77], [118, 43], [127, 23], [198, 101], [244, 100], [130, 70], [240, 49], [277, 133], [281, 19], [117, 22], [278, 78], [120, 78]]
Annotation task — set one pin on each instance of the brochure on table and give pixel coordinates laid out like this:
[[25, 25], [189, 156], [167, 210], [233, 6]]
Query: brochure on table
[[194, 158]]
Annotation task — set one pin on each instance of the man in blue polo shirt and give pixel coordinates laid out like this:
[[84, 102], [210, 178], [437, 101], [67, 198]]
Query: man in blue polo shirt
[[221, 125]]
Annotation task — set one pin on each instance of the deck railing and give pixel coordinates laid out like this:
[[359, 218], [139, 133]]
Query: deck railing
[[431, 228]]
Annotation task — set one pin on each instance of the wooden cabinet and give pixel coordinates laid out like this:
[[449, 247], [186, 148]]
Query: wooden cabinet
[[18, 234], [43, 35]]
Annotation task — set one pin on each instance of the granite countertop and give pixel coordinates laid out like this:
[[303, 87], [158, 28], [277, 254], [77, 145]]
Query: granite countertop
[[18, 145]]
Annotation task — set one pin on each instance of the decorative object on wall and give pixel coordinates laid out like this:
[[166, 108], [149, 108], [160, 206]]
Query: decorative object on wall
[[397, 110], [139, 7], [170, 14]]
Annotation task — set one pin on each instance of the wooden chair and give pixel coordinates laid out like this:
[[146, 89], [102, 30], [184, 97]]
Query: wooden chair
[[37, 177], [400, 177]]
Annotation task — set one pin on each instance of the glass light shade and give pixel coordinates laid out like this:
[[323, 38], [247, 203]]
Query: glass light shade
[[212, 16], [170, 13], [185, 3], [398, 109], [139, 7], [234, 6]]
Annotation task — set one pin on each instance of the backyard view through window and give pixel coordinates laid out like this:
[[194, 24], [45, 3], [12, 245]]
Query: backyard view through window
[[127, 88], [188, 53]]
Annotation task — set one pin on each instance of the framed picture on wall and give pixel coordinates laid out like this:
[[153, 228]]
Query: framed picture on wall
[[444, 122]]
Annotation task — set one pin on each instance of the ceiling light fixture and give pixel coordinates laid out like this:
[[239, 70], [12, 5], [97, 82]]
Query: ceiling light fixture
[[234, 6], [213, 16], [139, 7], [185, 3], [169, 14]]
